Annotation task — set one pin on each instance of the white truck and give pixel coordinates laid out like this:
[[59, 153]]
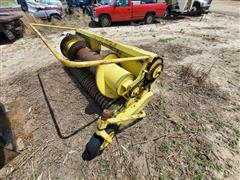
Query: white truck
[[190, 7]]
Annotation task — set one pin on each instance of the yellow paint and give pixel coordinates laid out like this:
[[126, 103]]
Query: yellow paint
[[112, 80], [107, 142], [157, 65], [134, 67], [125, 117], [69, 45]]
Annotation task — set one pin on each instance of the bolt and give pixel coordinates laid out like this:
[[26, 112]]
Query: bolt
[[106, 114]]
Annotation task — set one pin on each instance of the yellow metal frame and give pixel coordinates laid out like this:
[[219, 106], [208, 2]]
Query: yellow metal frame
[[138, 54], [130, 57], [126, 53], [123, 118]]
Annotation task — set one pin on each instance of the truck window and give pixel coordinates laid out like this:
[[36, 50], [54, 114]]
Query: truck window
[[148, 1], [105, 2], [122, 3]]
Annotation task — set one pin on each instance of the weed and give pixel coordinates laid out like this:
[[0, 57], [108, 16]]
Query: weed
[[194, 115], [162, 40], [166, 114], [198, 175], [159, 167], [81, 178], [199, 76], [104, 165], [237, 132], [184, 117], [35, 174], [144, 138], [199, 158], [163, 177], [165, 147]]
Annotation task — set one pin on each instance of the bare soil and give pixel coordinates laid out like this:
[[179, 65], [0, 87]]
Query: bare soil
[[192, 128]]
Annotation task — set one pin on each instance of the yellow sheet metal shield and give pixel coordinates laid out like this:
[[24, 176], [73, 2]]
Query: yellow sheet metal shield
[[112, 80]]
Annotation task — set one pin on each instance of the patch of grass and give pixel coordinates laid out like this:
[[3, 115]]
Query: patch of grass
[[184, 117], [233, 142], [198, 175], [165, 40], [144, 138], [165, 147], [189, 74], [200, 158], [35, 174], [104, 166], [186, 151], [81, 178], [159, 167], [163, 178], [236, 131], [166, 115], [212, 93], [194, 115], [195, 80]]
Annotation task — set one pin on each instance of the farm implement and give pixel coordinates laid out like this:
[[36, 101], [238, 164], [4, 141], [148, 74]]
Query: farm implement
[[119, 82]]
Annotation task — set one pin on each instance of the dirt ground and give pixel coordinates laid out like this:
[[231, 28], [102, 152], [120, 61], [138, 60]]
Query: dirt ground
[[192, 128]]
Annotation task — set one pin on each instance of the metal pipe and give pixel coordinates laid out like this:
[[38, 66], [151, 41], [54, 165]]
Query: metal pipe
[[73, 64], [86, 54]]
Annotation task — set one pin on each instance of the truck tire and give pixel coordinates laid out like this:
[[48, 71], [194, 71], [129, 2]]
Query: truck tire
[[54, 17], [196, 9], [105, 21], [149, 18], [168, 12], [24, 5]]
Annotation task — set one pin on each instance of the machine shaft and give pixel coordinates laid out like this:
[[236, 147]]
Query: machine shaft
[[86, 76]]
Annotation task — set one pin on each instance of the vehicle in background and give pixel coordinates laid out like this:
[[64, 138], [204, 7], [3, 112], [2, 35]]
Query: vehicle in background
[[23, 4], [128, 10], [189, 7], [9, 5], [200, 7], [51, 2], [41, 8], [11, 26], [79, 3]]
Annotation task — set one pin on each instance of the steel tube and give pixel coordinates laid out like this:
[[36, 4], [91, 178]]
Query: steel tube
[[73, 64]]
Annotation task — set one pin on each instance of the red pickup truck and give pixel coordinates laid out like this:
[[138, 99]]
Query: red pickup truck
[[128, 10]]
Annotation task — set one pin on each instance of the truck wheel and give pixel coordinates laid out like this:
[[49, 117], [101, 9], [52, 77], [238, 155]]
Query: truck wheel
[[196, 9], [149, 18], [105, 21], [55, 17], [168, 12], [24, 6]]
